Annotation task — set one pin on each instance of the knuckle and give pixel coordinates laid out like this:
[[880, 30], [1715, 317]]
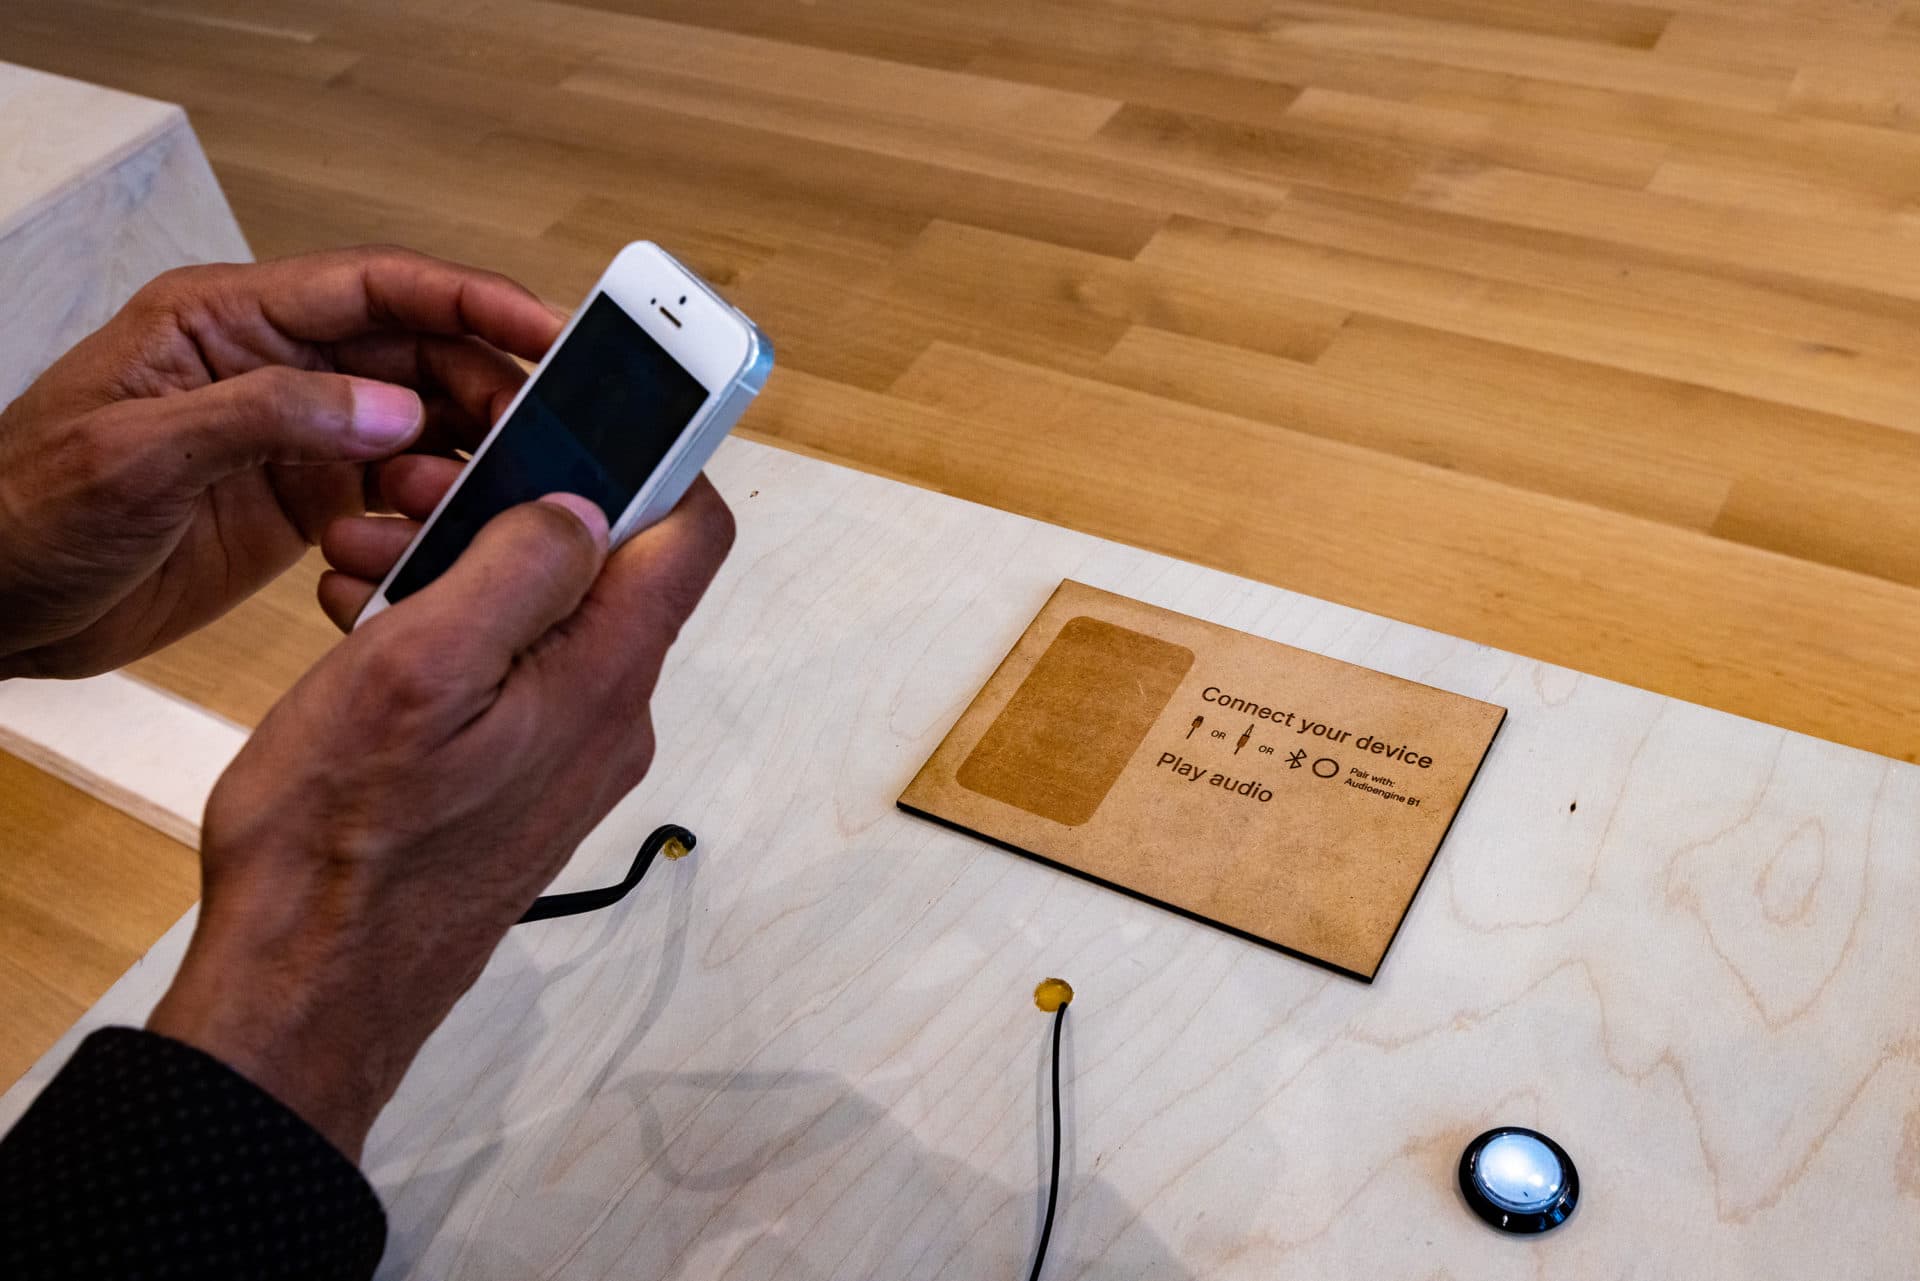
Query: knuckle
[[275, 380], [179, 294], [83, 455], [286, 397], [405, 674], [273, 389], [559, 533], [155, 310], [174, 284], [384, 252], [394, 255]]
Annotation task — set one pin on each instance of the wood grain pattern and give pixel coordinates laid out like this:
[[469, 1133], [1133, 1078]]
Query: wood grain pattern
[[1653, 261], [99, 192], [1081, 751], [84, 891], [139, 748], [1678, 941], [102, 785]]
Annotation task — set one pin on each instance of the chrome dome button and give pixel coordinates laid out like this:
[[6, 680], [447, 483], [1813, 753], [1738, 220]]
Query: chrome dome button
[[1519, 1180]]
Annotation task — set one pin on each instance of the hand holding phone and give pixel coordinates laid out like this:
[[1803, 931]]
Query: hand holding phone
[[629, 403], [402, 804], [191, 449]]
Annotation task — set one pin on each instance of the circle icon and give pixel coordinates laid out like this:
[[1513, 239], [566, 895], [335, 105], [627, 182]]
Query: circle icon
[[1519, 1180]]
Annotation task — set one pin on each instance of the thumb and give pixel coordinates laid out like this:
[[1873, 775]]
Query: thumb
[[526, 571], [279, 415]]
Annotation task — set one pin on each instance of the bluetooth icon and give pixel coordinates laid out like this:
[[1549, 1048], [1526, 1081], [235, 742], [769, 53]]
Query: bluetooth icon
[[1296, 759]]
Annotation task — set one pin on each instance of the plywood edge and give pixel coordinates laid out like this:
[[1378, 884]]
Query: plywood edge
[[138, 748], [161, 118]]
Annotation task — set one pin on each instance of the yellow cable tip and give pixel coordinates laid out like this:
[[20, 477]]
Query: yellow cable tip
[[1052, 994], [673, 849]]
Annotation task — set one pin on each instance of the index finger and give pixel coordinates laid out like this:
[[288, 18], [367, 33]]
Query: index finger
[[344, 294]]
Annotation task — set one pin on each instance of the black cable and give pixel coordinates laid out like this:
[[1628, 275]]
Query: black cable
[[548, 906], [1053, 1184]]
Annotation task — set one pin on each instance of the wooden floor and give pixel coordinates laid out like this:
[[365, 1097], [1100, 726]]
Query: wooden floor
[[1589, 330], [84, 892]]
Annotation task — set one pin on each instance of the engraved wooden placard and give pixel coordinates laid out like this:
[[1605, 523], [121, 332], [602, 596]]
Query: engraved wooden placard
[[1289, 798]]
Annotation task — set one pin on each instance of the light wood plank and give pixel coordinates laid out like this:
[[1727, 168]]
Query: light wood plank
[[1604, 426], [1140, 83], [1545, 57], [1329, 518], [873, 87], [1889, 100], [1282, 155], [84, 891], [296, 216], [1021, 287], [1822, 206], [1751, 296], [1632, 26], [1110, 175], [1519, 144], [1875, 387], [1377, 389], [1840, 152], [1785, 42], [1694, 228]]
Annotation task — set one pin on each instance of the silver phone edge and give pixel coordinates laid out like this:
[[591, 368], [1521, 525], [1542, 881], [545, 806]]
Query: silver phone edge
[[740, 393]]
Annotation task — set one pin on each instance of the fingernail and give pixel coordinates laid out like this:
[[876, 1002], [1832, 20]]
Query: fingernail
[[383, 414], [587, 510]]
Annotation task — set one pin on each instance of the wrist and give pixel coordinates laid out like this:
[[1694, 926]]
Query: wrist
[[289, 1017]]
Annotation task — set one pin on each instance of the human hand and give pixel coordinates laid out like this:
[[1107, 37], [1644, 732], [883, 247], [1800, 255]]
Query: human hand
[[187, 452], [405, 802]]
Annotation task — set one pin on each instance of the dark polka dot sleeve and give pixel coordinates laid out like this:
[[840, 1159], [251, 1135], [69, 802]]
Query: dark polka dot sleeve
[[147, 1158]]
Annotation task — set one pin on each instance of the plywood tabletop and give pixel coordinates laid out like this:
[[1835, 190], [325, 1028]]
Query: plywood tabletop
[[1677, 941]]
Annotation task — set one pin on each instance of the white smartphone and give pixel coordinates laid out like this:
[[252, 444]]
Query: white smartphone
[[629, 403]]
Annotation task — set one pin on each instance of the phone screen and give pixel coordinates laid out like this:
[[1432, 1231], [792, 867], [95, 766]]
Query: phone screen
[[596, 422]]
